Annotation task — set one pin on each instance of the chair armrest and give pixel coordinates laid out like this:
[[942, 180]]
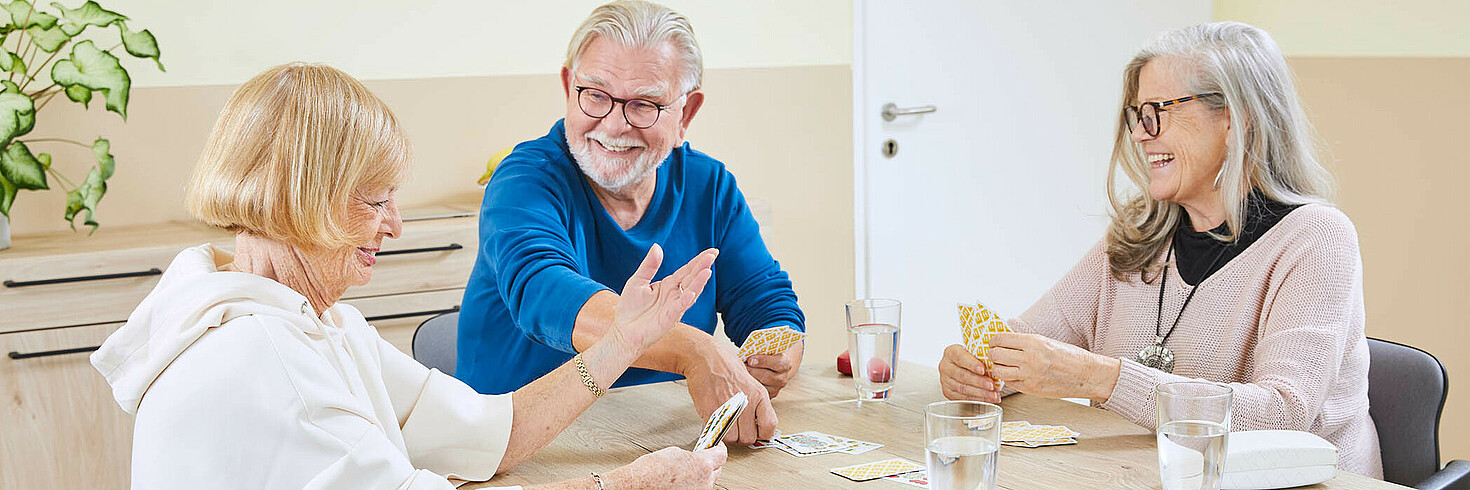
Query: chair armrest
[[1454, 476]]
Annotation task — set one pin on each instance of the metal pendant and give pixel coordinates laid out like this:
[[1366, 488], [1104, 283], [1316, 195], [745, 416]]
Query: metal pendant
[[1158, 357]]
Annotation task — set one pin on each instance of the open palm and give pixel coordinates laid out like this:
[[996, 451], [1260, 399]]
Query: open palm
[[646, 309]]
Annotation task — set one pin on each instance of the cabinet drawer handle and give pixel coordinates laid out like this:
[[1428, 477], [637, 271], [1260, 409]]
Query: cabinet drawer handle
[[412, 314], [20, 284], [445, 248], [49, 353]]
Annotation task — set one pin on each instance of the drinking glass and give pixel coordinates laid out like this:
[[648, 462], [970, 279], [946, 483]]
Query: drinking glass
[[872, 341], [1194, 419], [962, 442]]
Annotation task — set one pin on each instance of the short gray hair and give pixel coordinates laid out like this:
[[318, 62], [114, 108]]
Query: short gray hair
[[1270, 147], [640, 24]]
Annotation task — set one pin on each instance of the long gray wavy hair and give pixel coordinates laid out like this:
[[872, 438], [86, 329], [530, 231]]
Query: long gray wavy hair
[[1269, 148]]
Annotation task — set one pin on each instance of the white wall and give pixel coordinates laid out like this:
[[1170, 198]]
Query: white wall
[[212, 42]]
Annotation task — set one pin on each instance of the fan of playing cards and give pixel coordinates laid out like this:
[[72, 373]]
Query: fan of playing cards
[[770, 341], [977, 325], [720, 420]]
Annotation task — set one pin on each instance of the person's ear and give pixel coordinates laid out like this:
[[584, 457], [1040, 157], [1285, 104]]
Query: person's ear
[[691, 107]]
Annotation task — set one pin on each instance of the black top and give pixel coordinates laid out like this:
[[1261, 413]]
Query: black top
[[1195, 251]]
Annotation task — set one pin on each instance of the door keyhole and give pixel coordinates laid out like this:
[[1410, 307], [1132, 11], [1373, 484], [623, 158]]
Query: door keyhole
[[890, 148]]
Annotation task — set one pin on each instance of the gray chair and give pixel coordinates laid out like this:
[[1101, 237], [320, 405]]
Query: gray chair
[[1407, 388], [435, 341]]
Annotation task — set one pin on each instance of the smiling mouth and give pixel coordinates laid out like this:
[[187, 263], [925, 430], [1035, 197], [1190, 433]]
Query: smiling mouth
[[1160, 160], [368, 255], [612, 148]]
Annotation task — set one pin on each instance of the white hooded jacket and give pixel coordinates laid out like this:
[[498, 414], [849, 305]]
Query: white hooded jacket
[[236, 383]]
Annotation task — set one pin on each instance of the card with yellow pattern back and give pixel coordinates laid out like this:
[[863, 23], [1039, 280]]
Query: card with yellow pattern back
[[977, 325], [770, 341], [877, 469]]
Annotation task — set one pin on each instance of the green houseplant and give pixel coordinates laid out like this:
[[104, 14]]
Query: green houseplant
[[71, 64]]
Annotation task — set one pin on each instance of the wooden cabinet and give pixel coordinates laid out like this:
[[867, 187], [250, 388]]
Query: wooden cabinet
[[61, 295]]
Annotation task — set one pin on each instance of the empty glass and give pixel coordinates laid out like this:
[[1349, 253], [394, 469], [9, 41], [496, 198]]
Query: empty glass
[[872, 341], [962, 442], [1194, 419]]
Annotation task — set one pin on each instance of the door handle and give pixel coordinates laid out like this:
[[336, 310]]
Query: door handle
[[892, 111]]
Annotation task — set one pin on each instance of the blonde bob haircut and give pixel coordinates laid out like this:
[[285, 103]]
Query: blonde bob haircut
[[641, 24], [1269, 148], [291, 148]]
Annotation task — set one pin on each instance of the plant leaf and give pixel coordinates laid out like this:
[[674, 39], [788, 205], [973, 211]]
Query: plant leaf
[[50, 39], [17, 65], [79, 94], [17, 112], [22, 169], [95, 69], [140, 44], [85, 198], [102, 150], [89, 14], [21, 11], [7, 195], [7, 61]]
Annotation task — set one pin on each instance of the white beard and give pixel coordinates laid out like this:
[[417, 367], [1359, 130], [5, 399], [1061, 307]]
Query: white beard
[[611, 174]]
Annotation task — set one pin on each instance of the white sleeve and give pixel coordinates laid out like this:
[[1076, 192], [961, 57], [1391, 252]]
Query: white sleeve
[[447, 427]]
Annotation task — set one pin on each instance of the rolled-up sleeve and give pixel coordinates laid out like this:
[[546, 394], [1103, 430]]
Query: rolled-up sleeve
[[447, 427]]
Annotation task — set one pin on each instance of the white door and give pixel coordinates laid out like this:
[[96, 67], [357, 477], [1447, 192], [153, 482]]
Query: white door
[[996, 194]]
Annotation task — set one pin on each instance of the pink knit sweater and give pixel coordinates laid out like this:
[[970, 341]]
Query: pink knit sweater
[[1282, 323]]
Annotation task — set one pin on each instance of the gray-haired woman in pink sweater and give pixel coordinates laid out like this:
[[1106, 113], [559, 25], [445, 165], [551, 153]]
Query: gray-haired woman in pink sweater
[[1228, 263]]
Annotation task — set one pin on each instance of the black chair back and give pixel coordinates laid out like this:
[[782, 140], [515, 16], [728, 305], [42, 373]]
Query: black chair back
[[1407, 388]]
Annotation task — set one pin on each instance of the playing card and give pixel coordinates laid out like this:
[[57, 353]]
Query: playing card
[[977, 325], [793, 452], [770, 341], [1033, 444], [809, 442], [1036, 433], [877, 469], [853, 446], [720, 421], [762, 444], [916, 478]]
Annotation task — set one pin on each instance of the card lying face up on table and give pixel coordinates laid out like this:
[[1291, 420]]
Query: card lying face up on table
[[770, 341], [977, 325]]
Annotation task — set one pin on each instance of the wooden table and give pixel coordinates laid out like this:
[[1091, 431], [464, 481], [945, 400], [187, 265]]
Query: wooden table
[[630, 422]]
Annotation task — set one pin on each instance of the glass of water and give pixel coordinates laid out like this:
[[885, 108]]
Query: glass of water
[[872, 343], [963, 442], [1194, 419]]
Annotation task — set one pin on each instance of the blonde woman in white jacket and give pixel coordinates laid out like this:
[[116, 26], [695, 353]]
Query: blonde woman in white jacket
[[245, 372]]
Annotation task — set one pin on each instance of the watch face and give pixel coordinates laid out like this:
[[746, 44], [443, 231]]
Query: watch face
[[720, 421]]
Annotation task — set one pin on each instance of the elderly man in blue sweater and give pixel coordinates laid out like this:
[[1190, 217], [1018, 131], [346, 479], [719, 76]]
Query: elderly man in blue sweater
[[567, 217]]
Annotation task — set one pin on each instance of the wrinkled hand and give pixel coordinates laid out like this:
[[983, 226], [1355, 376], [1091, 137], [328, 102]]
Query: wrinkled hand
[[774, 372], [646, 310], [1039, 365], [962, 377], [718, 378], [671, 467]]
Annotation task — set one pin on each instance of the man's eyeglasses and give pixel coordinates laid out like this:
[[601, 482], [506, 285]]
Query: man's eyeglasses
[[640, 113], [1147, 113]]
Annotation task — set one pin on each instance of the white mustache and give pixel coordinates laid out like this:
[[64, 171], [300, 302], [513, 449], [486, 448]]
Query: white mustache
[[615, 141]]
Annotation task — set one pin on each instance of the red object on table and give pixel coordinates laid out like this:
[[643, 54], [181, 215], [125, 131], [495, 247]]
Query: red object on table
[[844, 363]]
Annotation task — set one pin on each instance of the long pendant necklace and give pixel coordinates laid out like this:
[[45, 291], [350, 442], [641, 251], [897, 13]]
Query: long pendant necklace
[[1156, 355]]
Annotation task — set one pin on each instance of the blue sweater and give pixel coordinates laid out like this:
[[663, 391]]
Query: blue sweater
[[547, 245]]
